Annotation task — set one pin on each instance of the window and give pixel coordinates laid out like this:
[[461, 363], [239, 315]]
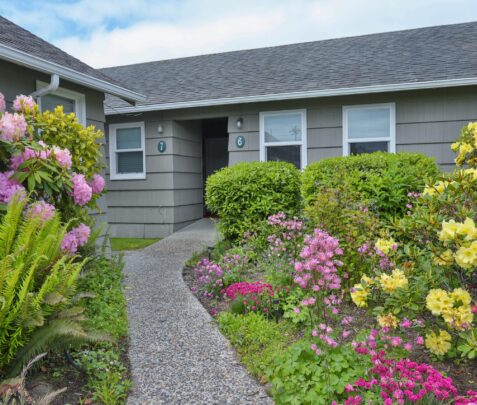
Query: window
[[126, 151], [283, 137], [71, 101], [369, 128]]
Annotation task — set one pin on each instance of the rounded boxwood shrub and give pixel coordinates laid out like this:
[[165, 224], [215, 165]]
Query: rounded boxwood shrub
[[247, 193], [384, 179]]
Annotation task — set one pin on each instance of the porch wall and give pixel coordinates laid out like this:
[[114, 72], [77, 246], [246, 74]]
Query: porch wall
[[171, 196]]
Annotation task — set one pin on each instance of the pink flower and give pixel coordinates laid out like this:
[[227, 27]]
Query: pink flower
[[12, 127], [75, 238], [21, 103], [82, 192], [82, 233], [97, 184], [313, 347], [41, 210], [3, 105], [420, 340], [314, 333], [296, 310], [405, 323], [62, 156], [10, 187]]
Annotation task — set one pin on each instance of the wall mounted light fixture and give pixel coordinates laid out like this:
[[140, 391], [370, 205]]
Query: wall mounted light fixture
[[239, 123], [160, 129]]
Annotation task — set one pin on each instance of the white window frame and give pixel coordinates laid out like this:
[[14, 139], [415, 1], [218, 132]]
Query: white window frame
[[302, 143], [113, 151], [78, 98], [391, 139]]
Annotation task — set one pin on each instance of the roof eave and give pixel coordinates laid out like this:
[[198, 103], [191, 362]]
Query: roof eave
[[42, 65], [344, 91]]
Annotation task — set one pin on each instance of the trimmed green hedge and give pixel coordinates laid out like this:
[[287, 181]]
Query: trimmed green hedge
[[383, 178], [247, 193]]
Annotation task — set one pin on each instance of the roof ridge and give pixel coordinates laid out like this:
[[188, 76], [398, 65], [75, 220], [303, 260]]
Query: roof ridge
[[289, 45]]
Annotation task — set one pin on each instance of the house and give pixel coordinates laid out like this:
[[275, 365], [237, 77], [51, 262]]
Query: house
[[32, 66], [409, 90]]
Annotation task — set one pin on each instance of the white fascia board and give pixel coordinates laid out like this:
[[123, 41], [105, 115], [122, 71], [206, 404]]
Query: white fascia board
[[344, 91], [34, 62]]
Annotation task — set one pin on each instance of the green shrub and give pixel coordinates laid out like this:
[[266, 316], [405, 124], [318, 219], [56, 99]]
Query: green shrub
[[247, 193], [256, 339], [384, 179], [299, 376]]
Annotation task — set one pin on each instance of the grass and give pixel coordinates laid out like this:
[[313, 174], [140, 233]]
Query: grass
[[120, 244]]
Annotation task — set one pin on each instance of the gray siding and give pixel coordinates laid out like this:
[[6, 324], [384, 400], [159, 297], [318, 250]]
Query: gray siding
[[171, 196], [16, 80]]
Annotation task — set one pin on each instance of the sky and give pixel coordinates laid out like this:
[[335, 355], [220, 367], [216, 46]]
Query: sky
[[119, 32]]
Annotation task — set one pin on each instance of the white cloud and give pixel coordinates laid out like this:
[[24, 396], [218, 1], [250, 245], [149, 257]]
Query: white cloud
[[108, 33]]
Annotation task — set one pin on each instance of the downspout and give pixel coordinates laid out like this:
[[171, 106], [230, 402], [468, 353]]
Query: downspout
[[54, 83]]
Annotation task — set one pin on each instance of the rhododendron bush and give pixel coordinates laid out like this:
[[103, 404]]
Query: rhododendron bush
[[53, 160]]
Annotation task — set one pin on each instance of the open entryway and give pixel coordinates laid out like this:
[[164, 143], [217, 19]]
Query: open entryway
[[215, 140]]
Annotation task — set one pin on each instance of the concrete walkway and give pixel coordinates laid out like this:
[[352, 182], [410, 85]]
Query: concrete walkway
[[177, 354]]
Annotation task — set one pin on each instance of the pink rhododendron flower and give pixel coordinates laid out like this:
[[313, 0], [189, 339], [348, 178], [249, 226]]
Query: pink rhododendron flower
[[97, 184], [41, 210], [12, 127], [62, 156], [22, 102], [10, 187], [3, 105], [82, 192], [28, 154], [75, 238]]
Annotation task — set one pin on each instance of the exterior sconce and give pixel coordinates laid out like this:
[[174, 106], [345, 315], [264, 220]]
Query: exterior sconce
[[160, 129], [239, 123]]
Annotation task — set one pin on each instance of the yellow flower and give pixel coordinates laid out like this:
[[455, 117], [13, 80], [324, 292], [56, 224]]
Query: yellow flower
[[469, 172], [389, 321], [438, 344], [455, 146], [465, 148], [440, 186], [449, 230], [390, 283], [446, 258], [459, 317], [437, 301], [459, 294], [359, 295], [367, 280], [429, 190], [466, 256], [385, 245], [468, 229]]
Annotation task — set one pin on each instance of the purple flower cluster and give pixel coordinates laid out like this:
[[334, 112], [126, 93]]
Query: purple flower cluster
[[22, 103], [10, 187], [97, 184], [209, 276], [41, 210], [82, 191], [12, 127], [75, 238]]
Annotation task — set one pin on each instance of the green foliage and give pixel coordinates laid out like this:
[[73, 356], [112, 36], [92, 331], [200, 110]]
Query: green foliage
[[107, 374], [384, 179], [37, 285], [257, 340], [344, 213], [247, 193], [64, 131], [300, 377], [132, 243], [106, 309]]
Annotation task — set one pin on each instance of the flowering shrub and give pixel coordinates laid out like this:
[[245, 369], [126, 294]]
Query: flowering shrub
[[250, 297], [209, 276], [35, 159]]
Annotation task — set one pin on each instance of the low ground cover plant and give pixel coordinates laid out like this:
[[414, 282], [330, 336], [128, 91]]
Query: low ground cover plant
[[375, 277]]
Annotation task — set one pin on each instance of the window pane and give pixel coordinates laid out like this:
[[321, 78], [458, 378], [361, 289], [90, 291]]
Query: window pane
[[290, 153], [367, 147], [128, 138], [129, 162], [369, 122], [50, 101], [282, 128]]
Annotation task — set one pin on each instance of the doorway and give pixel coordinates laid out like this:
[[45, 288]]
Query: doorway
[[215, 152]]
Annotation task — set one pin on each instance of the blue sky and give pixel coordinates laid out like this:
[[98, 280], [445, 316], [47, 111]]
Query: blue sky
[[116, 32]]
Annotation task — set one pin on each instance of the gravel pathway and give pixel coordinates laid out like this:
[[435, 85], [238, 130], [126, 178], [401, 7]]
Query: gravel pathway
[[177, 354]]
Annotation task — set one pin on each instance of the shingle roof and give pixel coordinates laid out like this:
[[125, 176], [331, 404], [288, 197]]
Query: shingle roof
[[16, 37], [409, 56]]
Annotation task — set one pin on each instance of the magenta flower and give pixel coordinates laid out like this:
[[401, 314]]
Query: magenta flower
[[12, 127], [41, 210], [10, 187], [22, 102], [82, 192], [97, 184]]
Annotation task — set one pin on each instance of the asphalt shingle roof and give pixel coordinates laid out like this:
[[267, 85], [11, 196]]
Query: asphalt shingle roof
[[416, 55], [19, 38]]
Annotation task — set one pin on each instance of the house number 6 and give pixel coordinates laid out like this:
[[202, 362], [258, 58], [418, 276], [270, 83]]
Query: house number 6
[[240, 141]]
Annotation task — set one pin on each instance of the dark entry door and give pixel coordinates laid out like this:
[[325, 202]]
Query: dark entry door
[[215, 147]]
